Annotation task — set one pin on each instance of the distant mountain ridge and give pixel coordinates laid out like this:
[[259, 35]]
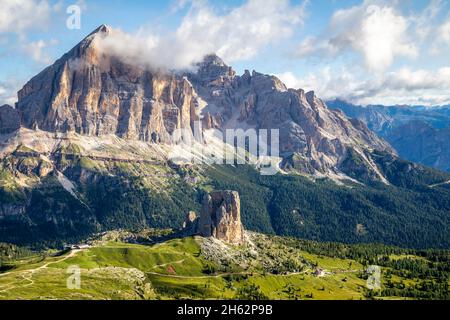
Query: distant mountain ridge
[[418, 133]]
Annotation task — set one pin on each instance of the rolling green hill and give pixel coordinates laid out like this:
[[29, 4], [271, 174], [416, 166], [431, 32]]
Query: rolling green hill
[[196, 268]]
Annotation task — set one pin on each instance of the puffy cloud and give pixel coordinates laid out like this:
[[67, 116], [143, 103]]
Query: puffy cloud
[[235, 35], [178, 5], [409, 80], [423, 21], [404, 86], [377, 32], [8, 92], [373, 29], [17, 16], [444, 32], [20, 17], [326, 82], [36, 50], [442, 38]]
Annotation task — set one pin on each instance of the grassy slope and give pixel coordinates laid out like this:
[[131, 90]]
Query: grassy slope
[[174, 269]]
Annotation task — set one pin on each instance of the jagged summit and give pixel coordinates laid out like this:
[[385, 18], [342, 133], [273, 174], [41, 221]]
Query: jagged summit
[[102, 29], [86, 49], [212, 67], [213, 59]]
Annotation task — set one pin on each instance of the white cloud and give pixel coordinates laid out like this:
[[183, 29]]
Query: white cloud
[[444, 32], [236, 35], [327, 83], [37, 50], [442, 38], [412, 80], [373, 29], [423, 22], [8, 92], [404, 86], [18, 16], [178, 5]]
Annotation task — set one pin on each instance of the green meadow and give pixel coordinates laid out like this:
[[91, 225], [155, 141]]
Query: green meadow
[[183, 269]]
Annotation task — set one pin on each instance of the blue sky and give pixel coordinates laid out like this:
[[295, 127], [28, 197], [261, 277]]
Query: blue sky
[[373, 51]]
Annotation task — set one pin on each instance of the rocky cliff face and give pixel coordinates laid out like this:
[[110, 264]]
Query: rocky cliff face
[[313, 138], [91, 93], [221, 217], [9, 119]]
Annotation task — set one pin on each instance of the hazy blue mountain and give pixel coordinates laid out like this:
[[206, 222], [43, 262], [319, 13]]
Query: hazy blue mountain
[[418, 133]]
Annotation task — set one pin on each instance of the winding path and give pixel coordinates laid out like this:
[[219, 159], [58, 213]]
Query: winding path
[[27, 274]]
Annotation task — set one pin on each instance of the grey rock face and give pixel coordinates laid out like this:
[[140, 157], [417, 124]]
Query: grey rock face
[[93, 94], [221, 217], [9, 119], [308, 129]]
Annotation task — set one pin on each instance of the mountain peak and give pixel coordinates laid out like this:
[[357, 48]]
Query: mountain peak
[[102, 29], [87, 48], [213, 67], [213, 59]]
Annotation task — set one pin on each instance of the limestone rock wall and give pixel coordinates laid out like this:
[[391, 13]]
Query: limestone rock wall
[[93, 94]]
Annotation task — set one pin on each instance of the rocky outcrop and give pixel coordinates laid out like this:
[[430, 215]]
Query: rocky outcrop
[[190, 223], [221, 217], [9, 119]]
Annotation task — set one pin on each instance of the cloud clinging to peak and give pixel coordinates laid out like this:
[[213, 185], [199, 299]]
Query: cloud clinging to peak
[[235, 35]]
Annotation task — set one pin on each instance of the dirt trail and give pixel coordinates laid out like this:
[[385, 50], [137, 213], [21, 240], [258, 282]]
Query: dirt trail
[[27, 274], [70, 255], [200, 277]]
